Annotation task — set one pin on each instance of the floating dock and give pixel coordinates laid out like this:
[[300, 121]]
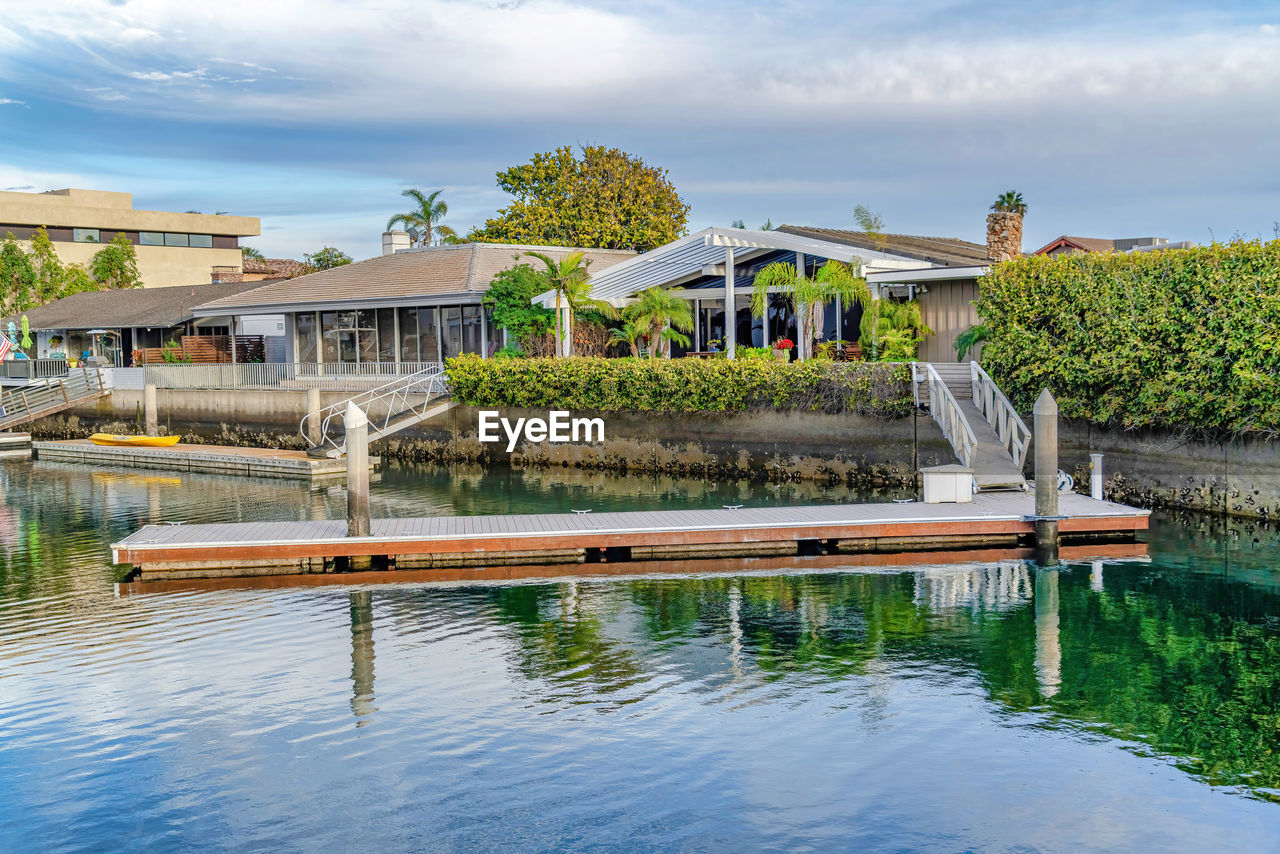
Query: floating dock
[[286, 548], [212, 459]]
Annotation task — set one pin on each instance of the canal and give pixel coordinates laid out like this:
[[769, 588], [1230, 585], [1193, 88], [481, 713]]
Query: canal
[[1112, 705]]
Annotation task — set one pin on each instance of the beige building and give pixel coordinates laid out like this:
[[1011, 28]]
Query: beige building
[[173, 248]]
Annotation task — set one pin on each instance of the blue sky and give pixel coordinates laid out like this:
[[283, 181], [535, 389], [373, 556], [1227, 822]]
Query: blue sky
[[1113, 119]]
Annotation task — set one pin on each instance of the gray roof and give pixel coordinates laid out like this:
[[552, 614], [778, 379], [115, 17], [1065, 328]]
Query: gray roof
[[464, 270], [943, 251], [137, 307]]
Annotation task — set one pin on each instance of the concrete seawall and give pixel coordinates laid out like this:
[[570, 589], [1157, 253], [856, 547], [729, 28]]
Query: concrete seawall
[[1145, 469]]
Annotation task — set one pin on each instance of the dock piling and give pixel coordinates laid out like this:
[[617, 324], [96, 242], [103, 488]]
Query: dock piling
[[357, 426], [151, 412], [1046, 474], [313, 424], [1095, 476]]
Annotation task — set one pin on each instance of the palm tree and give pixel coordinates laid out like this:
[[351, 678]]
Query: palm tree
[[833, 279], [1010, 202], [426, 218], [664, 313], [630, 334], [569, 278]]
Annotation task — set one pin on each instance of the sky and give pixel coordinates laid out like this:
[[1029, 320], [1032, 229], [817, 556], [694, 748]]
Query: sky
[[1116, 119]]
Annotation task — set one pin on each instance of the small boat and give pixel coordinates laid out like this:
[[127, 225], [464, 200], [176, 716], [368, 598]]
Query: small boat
[[134, 441]]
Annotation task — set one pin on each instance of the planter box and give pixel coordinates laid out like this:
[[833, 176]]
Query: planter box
[[947, 484]]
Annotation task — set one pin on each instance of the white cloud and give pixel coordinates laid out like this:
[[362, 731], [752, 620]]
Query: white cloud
[[437, 60]]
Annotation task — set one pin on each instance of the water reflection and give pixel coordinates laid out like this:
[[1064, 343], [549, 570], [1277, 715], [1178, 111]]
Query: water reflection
[[362, 654]]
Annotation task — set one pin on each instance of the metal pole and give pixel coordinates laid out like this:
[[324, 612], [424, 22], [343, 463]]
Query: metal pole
[[357, 471], [730, 311], [151, 413], [1046, 474], [1095, 476]]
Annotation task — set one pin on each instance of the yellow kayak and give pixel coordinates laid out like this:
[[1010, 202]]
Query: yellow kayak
[[134, 441]]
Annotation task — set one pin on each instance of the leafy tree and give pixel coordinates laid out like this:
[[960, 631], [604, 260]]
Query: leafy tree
[[1010, 202], [831, 280], [569, 278], [511, 294], [606, 199], [872, 224], [970, 339], [326, 259], [248, 253], [737, 223], [631, 334], [17, 277], [663, 314], [892, 331], [425, 218], [115, 266]]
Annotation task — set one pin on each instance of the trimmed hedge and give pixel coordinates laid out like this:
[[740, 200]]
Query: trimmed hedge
[[1185, 339], [682, 385]]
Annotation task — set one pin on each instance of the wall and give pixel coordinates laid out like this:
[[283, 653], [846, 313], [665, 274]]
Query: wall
[[159, 266], [948, 310]]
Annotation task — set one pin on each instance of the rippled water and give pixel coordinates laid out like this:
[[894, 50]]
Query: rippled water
[[1107, 706]]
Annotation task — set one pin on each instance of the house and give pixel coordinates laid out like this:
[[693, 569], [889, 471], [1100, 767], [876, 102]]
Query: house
[[173, 248], [1071, 245], [125, 321], [407, 305]]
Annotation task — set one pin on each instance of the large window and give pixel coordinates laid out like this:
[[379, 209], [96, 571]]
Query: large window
[[451, 330], [750, 329], [493, 332], [305, 332], [711, 324], [428, 335], [202, 241], [86, 235], [175, 239], [151, 238], [386, 334], [472, 330]]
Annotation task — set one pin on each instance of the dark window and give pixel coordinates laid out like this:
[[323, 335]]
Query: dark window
[[451, 330], [386, 335], [308, 341], [711, 324], [750, 329], [471, 334], [408, 335], [428, 336]]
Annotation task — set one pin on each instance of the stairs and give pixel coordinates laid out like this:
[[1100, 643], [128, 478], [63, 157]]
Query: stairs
[[977, 419], [391, 407], [46, 397]]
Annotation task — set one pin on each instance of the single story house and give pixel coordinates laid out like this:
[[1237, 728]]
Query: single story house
[[717, 267], [128, 319], [407, 305]]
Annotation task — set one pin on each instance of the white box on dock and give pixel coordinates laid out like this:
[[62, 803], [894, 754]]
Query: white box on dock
[[947, 484]]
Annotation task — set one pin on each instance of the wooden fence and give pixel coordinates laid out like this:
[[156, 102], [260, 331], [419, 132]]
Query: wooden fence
[[206, 350]]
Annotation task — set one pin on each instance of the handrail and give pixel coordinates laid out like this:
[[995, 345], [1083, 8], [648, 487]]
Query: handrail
[[946, 411], [280, 375], [430, 383], [1000, 414], [45, 397]]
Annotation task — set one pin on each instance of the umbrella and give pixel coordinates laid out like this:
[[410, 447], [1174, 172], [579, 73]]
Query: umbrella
[[26, 332]]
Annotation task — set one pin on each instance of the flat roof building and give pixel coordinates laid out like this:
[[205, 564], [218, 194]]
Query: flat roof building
[[173, 248]]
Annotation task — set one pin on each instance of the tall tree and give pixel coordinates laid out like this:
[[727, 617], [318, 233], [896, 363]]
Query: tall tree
[[1010, 202], [569, 278], [606, 199], [807, 293], [249, 253], [115, 265], [326, 259], [510, 295], [425, 218], [664, 314]]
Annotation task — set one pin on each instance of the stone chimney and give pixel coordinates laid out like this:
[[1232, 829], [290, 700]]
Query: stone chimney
[[1004, 235], [393, 241]]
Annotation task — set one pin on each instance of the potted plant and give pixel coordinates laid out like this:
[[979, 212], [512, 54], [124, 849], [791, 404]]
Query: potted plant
[[782, 349]]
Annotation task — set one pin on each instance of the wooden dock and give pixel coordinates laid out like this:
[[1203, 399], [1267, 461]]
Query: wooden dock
[[211, 459], [282, 548]]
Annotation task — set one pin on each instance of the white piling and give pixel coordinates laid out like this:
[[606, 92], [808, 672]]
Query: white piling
[[150, 411], [313, 424], [1095, 476], [1046, 474], [357, 426]]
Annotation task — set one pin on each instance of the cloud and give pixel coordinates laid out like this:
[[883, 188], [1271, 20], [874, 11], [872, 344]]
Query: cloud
[[13, 102]]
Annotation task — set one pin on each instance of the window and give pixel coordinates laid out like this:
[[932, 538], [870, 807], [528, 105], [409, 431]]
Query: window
[[451, 328], [175, 239], [386, 335], [151, 238], [428, 340], [472, 336], [204, 241], [305, 324], [85, 235], [408, 335]]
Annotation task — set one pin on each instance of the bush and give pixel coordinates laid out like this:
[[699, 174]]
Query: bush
[[1185, 339], [682, 385]]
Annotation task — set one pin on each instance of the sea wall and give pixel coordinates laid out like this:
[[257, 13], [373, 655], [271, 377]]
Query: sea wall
[[1151, 469]]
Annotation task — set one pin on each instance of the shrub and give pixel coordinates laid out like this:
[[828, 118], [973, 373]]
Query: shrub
[[1176, 339], [682, 385]]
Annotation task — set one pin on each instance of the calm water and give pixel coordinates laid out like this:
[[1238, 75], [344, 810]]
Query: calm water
[[1109, 706]]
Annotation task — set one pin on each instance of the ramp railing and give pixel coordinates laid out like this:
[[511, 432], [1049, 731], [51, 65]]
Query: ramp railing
[[46, 397], [1000, 414], [390, 407], [945, 409]]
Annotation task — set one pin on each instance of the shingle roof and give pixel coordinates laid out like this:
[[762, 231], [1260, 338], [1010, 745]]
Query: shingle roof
[[124, 308], [436, 271], [1084, 244], [281, 267], [946, 251]]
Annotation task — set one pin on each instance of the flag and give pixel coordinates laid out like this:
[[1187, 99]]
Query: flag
[[5, 346]]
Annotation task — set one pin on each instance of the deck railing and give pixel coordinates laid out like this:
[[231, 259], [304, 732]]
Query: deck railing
[[390, 407], [282, 375], [946, 411], [29, 402], [1000, 414]]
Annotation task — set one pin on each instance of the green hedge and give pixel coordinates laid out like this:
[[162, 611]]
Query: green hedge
[[682, 385], [1179, 339]]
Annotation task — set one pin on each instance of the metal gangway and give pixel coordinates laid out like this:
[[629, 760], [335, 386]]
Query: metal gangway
[[43, 397], [390, 407], [981, 424]]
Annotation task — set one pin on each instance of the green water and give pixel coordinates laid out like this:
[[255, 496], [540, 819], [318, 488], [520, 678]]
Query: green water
[[1109, 705]]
